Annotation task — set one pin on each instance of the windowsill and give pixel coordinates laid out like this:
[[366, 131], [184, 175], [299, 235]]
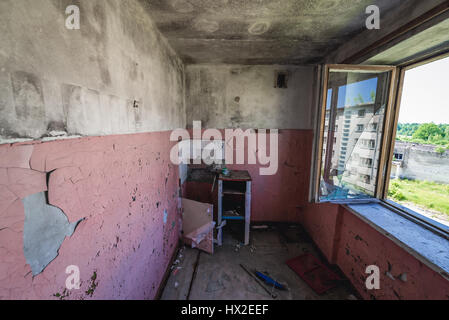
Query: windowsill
[[411, 212], [428, 246]]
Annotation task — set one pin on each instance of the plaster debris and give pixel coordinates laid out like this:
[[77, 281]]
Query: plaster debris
[[259, 227]]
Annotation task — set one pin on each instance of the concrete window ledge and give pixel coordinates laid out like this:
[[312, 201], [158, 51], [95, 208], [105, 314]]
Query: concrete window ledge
[[422, 243]]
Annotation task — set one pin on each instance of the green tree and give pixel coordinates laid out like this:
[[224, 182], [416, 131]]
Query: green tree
[[427, 131], [359, 99], [446, 132]]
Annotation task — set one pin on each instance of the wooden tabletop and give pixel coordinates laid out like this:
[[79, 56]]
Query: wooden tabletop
[[236, 176]]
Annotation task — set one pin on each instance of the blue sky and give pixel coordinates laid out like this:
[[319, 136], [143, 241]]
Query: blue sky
[[348, 94], [425, 95]]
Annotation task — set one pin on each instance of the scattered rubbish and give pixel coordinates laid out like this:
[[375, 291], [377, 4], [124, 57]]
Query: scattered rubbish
[[198, 225], [403, 277], [178, 259], [252, 249], [319, 277], [237, 247], [176, 285], [220, 231], [196, 237], [260, 227], [269, 281], [222, 225], [226, 172], [272, 294], [232, 213], [175, 272]]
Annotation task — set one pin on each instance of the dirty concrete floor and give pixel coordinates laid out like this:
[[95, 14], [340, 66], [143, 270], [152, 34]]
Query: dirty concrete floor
[[200, 276]]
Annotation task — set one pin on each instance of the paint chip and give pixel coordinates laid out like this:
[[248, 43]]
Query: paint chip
[[45, 229]]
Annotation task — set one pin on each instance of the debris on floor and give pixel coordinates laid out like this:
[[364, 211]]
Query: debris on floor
[[232, 213], [271, 293], [175, 272], [198, 225], [237, 247], [319, 277], [269, 281], [201, 276], [263, 227], [178, 259]]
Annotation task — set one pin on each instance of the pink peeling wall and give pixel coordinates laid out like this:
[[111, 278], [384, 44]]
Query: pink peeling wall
[[343, 238], [278, 197], [122, 185], [353, 245]]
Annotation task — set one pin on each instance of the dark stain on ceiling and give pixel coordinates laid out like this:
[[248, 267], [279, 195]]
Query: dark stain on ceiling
[[260, 31]]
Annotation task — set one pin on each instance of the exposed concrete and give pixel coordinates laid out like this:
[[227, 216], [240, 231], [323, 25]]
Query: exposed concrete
[[391, 20], [117, 74], [421, 162], [260, 32], [45, 229], [432, 40], [229, 96]]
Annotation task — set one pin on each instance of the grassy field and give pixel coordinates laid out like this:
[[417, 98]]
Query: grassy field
[[428, 195]]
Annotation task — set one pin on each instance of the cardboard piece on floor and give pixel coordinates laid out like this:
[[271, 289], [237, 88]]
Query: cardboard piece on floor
[[198, 225]]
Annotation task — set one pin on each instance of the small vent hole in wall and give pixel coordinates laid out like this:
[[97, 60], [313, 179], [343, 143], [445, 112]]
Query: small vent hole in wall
[[281, 80]]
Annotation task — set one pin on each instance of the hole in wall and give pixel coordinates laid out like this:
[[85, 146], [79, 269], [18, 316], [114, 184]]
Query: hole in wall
[[281, 80]]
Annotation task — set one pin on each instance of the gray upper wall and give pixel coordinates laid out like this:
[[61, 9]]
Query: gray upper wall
[[117, 74], [238, 96]]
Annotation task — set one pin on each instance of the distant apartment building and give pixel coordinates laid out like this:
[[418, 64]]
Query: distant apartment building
[[355, 143]]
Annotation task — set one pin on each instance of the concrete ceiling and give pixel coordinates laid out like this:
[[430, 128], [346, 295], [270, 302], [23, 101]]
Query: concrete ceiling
[[259, 31], [428, 42]]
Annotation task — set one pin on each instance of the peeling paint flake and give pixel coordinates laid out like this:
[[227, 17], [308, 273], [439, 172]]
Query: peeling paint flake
[[45, 229]]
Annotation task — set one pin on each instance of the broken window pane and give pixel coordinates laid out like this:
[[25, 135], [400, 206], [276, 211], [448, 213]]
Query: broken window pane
[[356, 102]]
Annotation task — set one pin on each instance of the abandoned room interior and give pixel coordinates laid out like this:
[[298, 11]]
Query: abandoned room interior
[[224, 150]]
